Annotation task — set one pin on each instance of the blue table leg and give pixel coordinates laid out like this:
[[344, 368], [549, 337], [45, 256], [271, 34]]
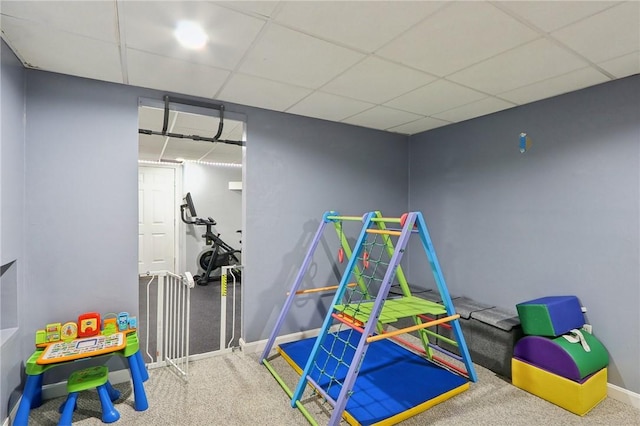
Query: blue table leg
[[143, 368], [114, 393], [139, 395], [31, 398], [109, 412]]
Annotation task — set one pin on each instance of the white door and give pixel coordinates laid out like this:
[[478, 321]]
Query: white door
[[156, 219]]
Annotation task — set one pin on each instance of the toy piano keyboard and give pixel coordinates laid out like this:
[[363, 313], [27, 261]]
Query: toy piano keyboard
[[82, 348]]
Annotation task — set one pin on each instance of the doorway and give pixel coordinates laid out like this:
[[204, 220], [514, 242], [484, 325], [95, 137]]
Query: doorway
[[169, 168]]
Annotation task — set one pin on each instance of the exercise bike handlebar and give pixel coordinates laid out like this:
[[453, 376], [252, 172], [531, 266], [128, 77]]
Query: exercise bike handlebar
[[195, 220]]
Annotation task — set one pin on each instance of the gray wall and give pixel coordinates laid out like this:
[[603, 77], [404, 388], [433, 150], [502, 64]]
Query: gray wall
[[81, 199], [562, 218], [296, 169], [209, 187], [506, 225], [12, 253]]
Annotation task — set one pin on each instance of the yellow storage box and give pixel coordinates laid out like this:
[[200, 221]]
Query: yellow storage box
[[577, 397]]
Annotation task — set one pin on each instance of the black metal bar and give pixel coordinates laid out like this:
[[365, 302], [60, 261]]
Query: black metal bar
[[193, 137], [195, 103], [165, 123], [220, 124]]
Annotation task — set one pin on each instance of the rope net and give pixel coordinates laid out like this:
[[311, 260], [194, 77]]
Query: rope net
[[336, 352]]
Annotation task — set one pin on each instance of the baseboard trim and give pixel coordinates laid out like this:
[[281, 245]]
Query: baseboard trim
[[259, 345], [623, 395], [212, 354], [12, 416]]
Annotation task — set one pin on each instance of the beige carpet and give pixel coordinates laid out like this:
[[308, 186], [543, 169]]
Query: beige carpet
[[234, 389]]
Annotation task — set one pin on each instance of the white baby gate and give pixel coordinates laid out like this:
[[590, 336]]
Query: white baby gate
[[172, 321], [173, 305]]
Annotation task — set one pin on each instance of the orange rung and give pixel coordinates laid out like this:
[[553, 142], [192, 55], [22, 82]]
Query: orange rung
[[383, 232], [319, 289], [424, 317], [350, 321], [412, 328]]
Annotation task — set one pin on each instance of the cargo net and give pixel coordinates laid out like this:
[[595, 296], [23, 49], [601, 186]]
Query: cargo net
[[336, 352]]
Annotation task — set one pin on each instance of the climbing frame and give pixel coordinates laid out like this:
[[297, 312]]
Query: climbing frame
[[361, 307]]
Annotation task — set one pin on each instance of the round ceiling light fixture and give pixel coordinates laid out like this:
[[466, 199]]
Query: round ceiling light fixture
[[191, 35]]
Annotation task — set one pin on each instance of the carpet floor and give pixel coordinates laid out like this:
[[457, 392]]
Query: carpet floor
[[234, 389]]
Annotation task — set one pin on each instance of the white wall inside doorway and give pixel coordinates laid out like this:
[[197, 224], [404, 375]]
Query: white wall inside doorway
[[209, 188]]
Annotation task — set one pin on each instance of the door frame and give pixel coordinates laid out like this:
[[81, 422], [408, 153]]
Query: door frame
[[179, 230]]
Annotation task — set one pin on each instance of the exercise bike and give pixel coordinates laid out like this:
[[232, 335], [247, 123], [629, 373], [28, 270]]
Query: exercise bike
[[217, 253]]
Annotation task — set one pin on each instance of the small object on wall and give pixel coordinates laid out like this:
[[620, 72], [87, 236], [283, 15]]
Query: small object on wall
[[235, 186], [525, 143]]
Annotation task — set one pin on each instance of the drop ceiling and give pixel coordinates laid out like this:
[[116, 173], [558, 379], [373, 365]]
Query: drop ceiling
[[403, 67]]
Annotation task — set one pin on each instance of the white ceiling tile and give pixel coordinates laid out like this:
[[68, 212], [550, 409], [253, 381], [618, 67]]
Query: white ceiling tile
[[149, 26], [291, 57], [459, 35], [261, 8], [376, 80], [150, 147], [418, 126], [224, 153], [479, 108], [607, 35], [95, 19], [153, 118], [623, 66], [198, 80], [535, 61], [435, 97], [62, 52], [227, 131], [552, 15], [236, 133], [381, 118], [328, 107], [147, 156], [186, 148], [196, 122], [364, 26], [554, 86], [254, 91]]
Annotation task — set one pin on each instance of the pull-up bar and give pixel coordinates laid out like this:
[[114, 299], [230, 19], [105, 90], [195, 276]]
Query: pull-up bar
[[200, 104]]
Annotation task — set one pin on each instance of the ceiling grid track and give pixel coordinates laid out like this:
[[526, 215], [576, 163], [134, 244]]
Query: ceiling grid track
[[122, 44], [547, 36]]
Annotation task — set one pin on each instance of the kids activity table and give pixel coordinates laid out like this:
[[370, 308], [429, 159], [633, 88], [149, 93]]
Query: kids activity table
[[61, 353]]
